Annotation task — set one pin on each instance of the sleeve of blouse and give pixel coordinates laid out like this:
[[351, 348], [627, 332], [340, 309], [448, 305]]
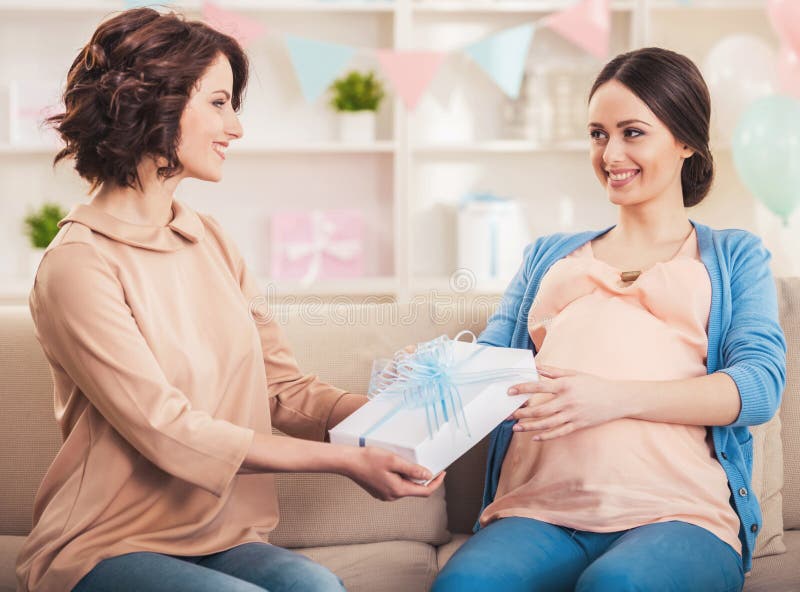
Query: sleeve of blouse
[[753, 352], [300, 404], [500, 327], [86, 327]]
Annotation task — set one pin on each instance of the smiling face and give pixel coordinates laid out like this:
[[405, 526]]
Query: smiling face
[[634, 155], [208, 123]]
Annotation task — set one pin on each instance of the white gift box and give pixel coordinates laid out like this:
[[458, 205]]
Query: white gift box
[[485, 404]]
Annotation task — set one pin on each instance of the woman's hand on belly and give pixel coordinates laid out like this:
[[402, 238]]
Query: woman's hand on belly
[[563, 401]]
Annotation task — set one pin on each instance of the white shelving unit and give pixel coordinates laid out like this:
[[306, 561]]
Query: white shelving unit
[[409, 181]]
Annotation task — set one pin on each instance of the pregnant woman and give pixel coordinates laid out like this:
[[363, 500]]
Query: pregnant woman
[[658, 344]]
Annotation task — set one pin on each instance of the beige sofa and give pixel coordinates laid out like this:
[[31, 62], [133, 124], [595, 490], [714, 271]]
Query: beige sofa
[[375, 546]]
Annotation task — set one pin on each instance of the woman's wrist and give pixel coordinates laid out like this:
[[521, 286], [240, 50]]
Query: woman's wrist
[[627, 402], [346, 459]]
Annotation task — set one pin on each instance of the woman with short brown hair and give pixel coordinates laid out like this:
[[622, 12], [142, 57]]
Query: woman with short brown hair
[[166, 387]]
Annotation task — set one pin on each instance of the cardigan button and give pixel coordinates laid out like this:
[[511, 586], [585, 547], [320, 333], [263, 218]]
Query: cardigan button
[[742, 491], [724, 455], [754, 528]]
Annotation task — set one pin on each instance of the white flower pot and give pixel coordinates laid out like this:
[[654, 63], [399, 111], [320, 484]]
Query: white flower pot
[[357, 127]]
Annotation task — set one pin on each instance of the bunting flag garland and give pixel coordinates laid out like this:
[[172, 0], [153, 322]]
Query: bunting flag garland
[[410, 72], [317, 63], [587, 24], [503, 55], [241, 28]]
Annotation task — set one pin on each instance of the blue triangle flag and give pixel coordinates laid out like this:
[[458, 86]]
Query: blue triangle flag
[[503, 55], [317, 63]]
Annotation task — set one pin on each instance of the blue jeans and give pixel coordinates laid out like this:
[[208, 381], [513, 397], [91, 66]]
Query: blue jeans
[[251, 567], [526, 555]]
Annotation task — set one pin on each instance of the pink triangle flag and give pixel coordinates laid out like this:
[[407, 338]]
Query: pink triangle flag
[[410, 72], [587, 24], [241, 28]]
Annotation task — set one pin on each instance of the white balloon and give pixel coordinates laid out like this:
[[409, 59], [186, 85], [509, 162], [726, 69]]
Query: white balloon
[[738, 70]]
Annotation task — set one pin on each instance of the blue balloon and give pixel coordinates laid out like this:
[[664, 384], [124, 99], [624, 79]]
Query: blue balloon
[[766, 152]]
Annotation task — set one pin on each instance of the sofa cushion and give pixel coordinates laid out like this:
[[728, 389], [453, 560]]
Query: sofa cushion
[[9, 549], [789, 298], [777, 573], [320, 510], [466, 477], [395, 566], [29, 435], [445, 552], [767, 482]]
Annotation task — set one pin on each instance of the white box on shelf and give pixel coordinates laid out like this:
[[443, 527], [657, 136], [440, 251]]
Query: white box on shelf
[[485, 404], [491, 237]]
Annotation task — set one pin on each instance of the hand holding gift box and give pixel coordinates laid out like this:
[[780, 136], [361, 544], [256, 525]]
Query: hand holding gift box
[[434, 404]]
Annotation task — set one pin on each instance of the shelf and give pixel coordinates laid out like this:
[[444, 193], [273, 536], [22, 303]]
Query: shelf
[[459, 286], [341, 287], [15, 289], [501, 147], [268, 6], [510, 6], [380, 147], [401, 175]]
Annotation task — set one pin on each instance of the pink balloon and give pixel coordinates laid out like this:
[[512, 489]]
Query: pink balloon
[[789, 72], [785, 17]]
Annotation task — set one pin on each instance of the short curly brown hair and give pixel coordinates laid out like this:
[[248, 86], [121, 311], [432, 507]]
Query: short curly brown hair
[[127, 88]]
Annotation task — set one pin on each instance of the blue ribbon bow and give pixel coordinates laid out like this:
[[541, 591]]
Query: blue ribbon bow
[[429, 379]]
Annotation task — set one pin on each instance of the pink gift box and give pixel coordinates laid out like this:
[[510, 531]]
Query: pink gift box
[[317, 244]]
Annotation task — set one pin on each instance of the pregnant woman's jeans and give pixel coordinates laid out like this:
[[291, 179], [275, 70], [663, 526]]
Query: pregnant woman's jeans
[[526, 555]]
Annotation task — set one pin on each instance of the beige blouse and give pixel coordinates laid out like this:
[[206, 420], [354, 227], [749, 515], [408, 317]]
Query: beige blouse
[[162, 377]]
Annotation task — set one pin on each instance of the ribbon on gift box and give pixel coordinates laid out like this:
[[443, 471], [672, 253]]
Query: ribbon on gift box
[[429, 379], [322, 243]]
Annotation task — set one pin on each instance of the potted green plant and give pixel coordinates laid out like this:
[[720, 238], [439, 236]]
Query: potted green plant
[[41, 226], [356, 97]]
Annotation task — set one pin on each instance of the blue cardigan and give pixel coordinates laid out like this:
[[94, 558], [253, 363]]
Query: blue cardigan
[[745, 341]]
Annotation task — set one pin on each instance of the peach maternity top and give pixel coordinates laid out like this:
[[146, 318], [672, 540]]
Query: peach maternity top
[[162, 377], [627, 472]]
